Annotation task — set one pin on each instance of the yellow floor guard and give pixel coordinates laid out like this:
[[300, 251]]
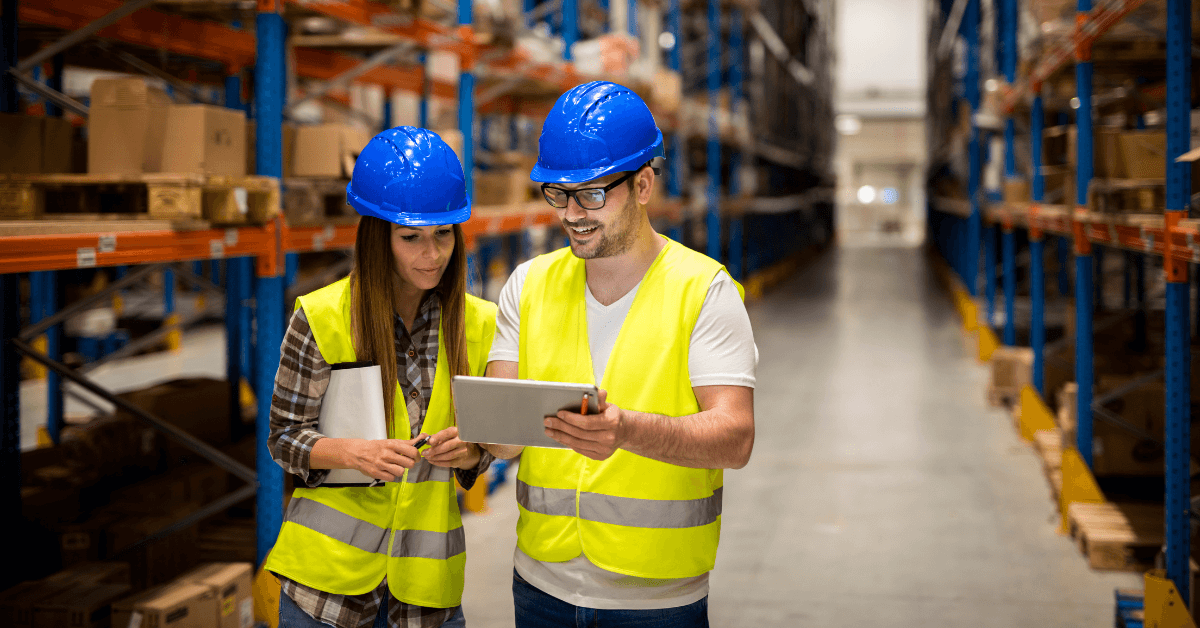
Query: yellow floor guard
[[987, 343], [1164, 607], [1035, 414], [1078, 484]]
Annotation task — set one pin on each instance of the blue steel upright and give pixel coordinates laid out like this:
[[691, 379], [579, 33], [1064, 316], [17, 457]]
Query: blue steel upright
[[269, 88], [1008, 65], [1084, 274], [989, 273], [1178, 192], [675, 164], [1037, 271], [1010, 285], [570, 28], [54, 389], [713, 215], [736, 238], [970, 246]]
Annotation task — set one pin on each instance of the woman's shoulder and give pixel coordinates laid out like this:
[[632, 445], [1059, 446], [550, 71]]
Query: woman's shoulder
[[480, 310]]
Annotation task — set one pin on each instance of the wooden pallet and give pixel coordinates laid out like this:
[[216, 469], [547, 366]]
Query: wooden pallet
[[1117, 537], [315, 201], [1133, 196], [166, 196], [1048, 444]]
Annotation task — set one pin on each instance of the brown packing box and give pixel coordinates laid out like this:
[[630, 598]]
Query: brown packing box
[[35, 144], [232, 584], [501, 187], [176, 605], [289, 148], [126, 123], [162, 559], [205, 139], [17, 603], [79, 607], [327, 150], [1016, 191], [198, 406]]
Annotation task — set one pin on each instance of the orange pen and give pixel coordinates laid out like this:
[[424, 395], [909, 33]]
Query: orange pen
[[583, 407]]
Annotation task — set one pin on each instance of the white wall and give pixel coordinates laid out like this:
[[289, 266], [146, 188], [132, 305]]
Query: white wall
[[881, 60]]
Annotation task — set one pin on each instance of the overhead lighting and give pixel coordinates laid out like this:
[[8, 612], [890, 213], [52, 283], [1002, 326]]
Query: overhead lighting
[[991, 85], [890, 196], [666, 40], [1075, 103], [848, 124], [866, 195]]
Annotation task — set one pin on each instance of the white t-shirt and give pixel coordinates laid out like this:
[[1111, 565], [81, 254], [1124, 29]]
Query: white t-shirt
[[721, 352]]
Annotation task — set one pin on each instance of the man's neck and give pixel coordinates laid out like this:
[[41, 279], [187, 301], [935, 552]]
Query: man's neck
[[611, 278]]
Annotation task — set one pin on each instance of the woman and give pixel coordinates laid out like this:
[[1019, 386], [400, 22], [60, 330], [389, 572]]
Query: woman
[[392, 554]]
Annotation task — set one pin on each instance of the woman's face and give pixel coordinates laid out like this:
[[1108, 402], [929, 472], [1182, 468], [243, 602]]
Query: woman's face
[[422, 254]]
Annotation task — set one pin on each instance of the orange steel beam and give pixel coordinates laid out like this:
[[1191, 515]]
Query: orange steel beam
[[62, 252], [209, 40]]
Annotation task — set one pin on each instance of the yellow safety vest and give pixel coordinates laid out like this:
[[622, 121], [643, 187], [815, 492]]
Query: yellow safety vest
[[345, 540], [628, 514]]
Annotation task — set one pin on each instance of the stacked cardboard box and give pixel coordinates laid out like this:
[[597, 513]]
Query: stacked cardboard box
[[67, 598], [35, 145], [134, 128]]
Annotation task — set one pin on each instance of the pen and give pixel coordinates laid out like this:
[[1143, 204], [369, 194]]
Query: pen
[[583, 407], [421, 443]]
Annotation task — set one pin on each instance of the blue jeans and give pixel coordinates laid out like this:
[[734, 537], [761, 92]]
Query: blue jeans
[[292, 616], [537, 609]]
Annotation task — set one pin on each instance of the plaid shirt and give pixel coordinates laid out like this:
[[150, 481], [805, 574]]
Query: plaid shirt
[[300, 385]]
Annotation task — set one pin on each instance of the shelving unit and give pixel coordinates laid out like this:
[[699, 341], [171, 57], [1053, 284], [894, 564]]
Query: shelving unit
[[1172, 236], [219, 46]]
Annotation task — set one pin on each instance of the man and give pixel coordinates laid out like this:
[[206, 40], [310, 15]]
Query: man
[[622, 528]]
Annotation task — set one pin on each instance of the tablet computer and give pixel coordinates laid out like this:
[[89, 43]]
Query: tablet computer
[[512, 411]]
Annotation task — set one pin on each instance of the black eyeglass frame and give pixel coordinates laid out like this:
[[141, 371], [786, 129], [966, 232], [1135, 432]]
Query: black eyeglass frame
[[571, 193]]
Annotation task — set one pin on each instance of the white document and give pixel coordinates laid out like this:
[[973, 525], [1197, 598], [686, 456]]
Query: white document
[[353, 408]]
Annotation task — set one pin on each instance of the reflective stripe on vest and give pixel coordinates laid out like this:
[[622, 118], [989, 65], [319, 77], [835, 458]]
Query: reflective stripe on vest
[[372, 538], [626, 511], [338, 525], [426, 544]]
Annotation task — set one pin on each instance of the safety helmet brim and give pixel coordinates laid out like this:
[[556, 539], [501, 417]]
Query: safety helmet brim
[[408, 219], [632, 162]]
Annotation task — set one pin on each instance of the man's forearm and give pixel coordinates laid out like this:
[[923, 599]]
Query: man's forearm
[[703, 440]]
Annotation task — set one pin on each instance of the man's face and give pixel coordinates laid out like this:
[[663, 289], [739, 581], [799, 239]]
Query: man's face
[[605, 232]]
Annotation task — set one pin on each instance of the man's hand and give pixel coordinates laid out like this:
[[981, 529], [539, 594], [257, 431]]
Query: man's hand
[[381, 459], [446, 450], [596, 436]]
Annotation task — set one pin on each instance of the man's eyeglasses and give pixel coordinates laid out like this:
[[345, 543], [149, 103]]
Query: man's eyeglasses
[[587, 198]]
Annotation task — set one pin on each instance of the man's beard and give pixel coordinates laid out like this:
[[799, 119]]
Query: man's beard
[[614, 239]]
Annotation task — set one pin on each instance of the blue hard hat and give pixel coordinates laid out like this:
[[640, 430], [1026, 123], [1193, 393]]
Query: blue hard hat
[[411, 177], [596, 129]]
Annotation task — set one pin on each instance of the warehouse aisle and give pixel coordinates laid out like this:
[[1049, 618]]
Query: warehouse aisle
[[883, 491]]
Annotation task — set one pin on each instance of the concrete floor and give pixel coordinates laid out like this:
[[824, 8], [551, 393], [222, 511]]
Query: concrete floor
[[883, 491]]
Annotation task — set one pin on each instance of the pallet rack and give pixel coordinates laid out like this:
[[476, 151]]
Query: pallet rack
[[260, 260], [957, 225]]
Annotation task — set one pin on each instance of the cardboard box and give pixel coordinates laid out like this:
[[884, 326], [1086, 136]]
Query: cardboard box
[[231, 583], [327, 150], [501, 187], [205, 140], [35, 144], [176, 605], [162, 559], [79, 607], [17, 603], [126, 125], [666, 93], [198, 406], [1016, 191]]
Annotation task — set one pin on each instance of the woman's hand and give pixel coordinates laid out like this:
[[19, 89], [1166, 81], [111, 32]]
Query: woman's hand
[[446, 450], [382, 459]]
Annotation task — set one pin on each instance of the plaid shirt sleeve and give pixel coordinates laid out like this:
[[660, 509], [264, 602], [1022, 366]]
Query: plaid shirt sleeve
[[300, 385]]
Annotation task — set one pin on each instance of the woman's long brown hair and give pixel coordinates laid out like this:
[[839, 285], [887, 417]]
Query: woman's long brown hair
[[373, 304]]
